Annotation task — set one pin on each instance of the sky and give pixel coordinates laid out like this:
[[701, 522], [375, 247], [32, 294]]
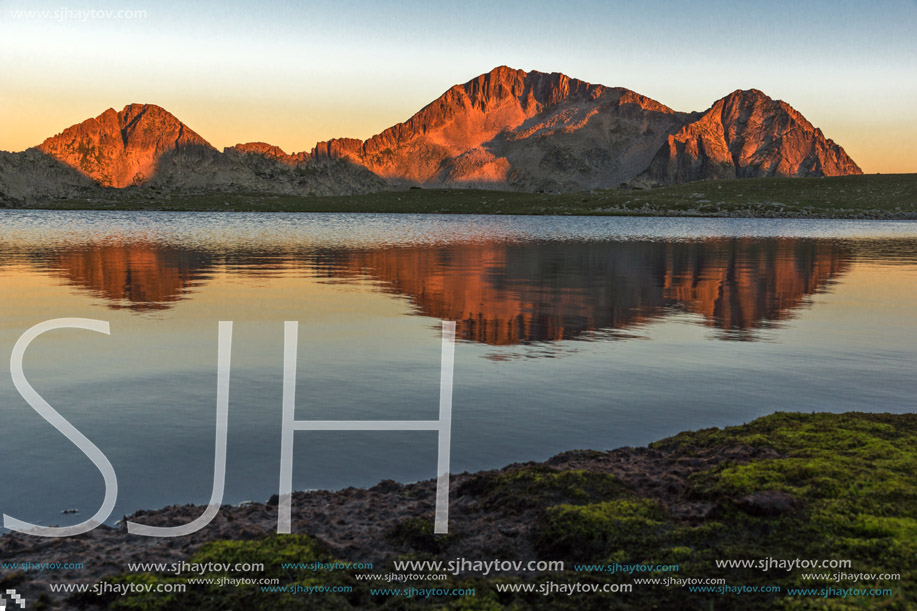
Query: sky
[[296, 73]]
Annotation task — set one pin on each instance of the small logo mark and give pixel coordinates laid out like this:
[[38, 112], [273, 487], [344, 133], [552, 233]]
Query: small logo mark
[[13, 596]]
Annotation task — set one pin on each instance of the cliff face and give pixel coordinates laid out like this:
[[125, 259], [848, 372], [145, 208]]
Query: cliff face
[[118, 149], [505, 129], [529, 130], [747, 134]]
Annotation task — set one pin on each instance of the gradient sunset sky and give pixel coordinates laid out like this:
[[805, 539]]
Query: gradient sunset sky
[[292, 74]]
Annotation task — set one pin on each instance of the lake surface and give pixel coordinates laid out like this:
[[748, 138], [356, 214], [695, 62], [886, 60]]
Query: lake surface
[[573, 333]]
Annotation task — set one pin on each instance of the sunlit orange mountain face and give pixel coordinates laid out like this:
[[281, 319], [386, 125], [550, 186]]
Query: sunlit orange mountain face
[[505, 129], [507, 293], [117, 149]]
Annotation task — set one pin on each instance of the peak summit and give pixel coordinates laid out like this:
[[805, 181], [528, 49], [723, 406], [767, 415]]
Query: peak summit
[[748, 93], [749, 134], [118, 149]]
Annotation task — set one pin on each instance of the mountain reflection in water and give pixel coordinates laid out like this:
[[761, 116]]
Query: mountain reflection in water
[[504, 293]]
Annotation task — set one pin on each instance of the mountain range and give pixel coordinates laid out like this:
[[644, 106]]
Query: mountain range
[[506, 129]]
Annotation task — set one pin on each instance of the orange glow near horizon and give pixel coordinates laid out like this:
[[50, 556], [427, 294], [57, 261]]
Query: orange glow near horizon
[[881, 147]]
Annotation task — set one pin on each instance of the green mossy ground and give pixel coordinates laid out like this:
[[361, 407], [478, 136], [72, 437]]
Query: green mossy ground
[[854, 476], [841, 196], [540, 485]]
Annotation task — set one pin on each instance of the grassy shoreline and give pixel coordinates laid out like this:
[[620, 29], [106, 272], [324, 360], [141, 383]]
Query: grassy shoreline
[[891, 196], [787, 486]]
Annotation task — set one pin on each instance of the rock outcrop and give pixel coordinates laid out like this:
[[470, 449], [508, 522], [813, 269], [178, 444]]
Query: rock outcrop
[[32, 175], [744, 135], [269, 151]]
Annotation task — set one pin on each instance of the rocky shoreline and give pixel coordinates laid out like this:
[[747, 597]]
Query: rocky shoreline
[[357, 524], [521, 511], [762, 210]]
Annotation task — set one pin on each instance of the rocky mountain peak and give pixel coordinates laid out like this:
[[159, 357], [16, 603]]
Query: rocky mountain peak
[[749, 134], [118, 149]]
